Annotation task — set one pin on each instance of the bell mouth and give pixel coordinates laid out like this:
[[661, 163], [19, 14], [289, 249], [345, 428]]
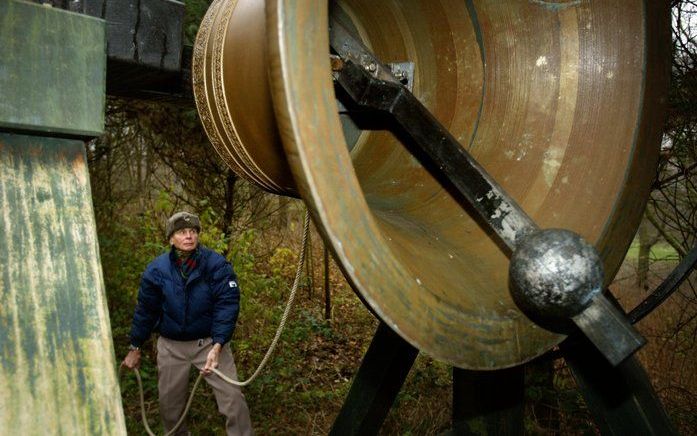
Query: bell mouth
[[551, 101]]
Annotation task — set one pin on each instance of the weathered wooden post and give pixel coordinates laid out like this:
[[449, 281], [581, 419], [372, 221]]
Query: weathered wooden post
[[57, 366]]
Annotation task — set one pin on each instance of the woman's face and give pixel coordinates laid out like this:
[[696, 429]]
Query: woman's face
[[185, 239]]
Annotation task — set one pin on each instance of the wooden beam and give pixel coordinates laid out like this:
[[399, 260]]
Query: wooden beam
[[57, 367], [52, 71], [621, 398], [146, 57], [488, 402], [379, 379]]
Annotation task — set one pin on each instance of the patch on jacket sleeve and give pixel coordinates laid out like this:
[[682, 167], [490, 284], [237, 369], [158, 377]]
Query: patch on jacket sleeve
[[233, 284]]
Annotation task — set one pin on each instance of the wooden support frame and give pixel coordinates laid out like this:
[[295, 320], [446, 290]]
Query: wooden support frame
[[146, 54], [379, 379], [621, 398], [57, 366], [488, 402]]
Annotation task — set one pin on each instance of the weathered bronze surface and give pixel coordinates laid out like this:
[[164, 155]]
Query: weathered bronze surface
[[229, 71], [561, 103]]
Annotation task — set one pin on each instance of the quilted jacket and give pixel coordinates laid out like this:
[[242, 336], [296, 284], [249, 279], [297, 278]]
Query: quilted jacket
[[204, 305]]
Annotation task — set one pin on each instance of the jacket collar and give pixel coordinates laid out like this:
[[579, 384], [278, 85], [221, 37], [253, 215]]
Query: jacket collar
[[196, 273]]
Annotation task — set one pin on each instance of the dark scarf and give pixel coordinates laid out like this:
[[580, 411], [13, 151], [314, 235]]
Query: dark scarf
[[187, 261]]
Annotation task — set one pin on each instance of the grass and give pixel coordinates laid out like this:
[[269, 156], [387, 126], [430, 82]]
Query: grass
[[659, 252]]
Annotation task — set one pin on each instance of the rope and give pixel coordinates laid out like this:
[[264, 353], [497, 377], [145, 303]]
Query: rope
[[286, 312], [184, 413], [272, 347]]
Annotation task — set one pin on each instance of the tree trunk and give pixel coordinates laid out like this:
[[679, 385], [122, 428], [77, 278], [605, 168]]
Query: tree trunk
[[327, 291], [228, 214], [282, 211], [310, 268], [543, 396], [645, 243]]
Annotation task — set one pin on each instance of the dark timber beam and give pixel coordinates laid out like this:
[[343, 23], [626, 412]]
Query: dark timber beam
[[488, 402], [620, 398], [146, 56], [379, 379]]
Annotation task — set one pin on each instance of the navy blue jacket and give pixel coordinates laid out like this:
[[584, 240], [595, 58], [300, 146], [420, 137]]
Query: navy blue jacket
[[204, 305]]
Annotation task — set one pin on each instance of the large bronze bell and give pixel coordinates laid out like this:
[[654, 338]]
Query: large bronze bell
[[552, 98]]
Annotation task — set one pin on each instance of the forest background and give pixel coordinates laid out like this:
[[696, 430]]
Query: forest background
[[154, 159]]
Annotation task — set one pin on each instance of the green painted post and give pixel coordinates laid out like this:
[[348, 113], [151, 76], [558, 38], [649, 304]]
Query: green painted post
[[57, 364], [52, 70]]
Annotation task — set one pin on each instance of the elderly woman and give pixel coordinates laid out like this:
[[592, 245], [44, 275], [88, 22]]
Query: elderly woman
[[190, 295]]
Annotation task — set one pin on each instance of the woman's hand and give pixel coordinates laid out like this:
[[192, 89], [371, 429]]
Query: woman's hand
[[212, 360], [132, 360]]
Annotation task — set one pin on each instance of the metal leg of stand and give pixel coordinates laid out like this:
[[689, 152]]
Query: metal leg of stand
[[621, 399], [488, 402], [376, 385]]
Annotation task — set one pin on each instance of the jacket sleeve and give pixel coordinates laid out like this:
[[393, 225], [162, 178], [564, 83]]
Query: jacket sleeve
[[148, 310], [226, 302]]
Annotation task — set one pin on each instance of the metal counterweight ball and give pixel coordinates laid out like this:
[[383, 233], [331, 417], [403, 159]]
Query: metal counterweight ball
[[555, 273]]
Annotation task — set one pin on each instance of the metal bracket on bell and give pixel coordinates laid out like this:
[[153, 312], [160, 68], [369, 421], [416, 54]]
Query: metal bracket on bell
[[404, 72], [554, 273]]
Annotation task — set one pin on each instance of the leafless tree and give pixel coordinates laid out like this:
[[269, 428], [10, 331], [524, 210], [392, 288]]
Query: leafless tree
[[149, 148]]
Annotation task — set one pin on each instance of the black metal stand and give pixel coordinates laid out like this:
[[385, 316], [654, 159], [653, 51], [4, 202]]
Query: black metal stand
[[620, 398], [379, 379], [488, 402], [484, 402], [666, 289]]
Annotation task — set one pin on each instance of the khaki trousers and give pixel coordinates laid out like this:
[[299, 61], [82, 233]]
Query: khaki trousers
[[174, 360]]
